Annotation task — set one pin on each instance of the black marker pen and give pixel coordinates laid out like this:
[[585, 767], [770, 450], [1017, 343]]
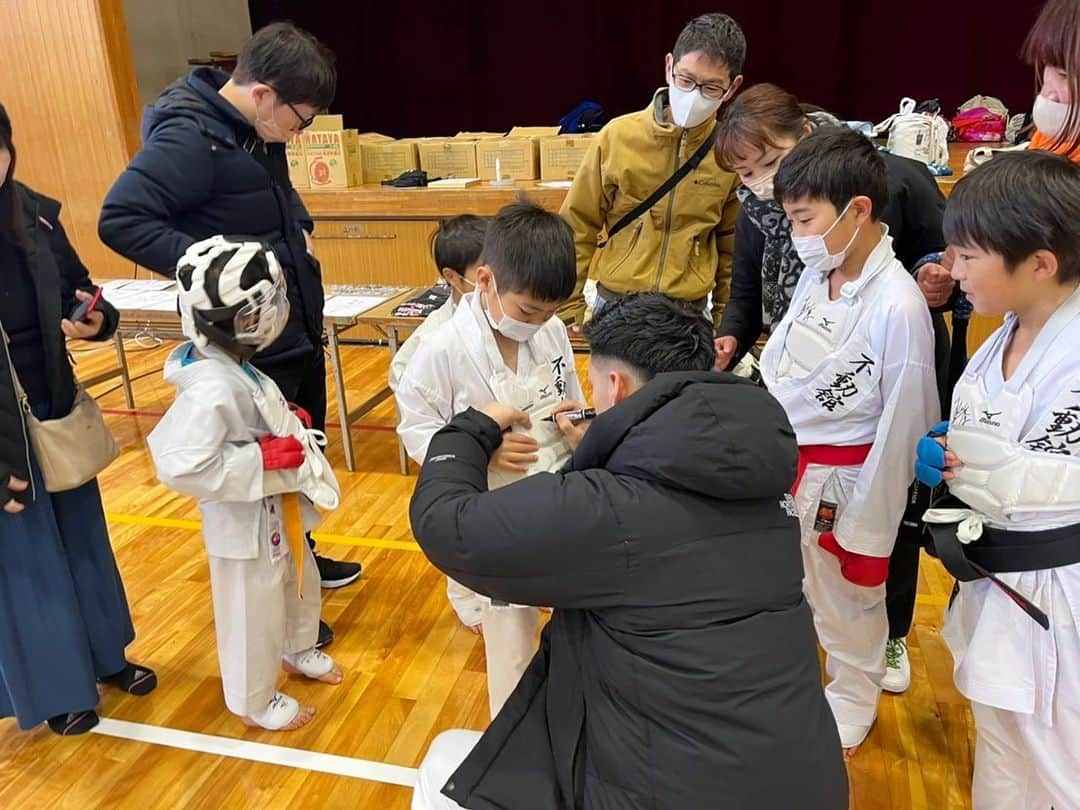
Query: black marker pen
[[584, 415]]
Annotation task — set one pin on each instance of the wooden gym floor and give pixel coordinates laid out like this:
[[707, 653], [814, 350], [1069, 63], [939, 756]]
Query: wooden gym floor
[[411, 670]]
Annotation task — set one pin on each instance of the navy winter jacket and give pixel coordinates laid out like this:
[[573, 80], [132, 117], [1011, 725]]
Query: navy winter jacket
[[203, 171]]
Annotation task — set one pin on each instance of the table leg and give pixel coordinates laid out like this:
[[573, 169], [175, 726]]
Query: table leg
[[342, 405], [403, 458], [125, 375]]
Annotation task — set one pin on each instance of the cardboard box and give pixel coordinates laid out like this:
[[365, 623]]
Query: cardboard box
[[561, 156], [332, 154], [519, 158], [294, 154], [533, 132], [385, 160], [447, 157], [479, 136]]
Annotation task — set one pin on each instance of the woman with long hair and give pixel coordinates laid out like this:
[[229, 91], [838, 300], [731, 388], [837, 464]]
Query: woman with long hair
[[64, 618]]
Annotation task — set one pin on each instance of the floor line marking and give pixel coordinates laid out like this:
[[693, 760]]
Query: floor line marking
[[194, 526], [258, 752]]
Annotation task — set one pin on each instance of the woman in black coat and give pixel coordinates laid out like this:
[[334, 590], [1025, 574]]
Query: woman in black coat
[[64, 619]]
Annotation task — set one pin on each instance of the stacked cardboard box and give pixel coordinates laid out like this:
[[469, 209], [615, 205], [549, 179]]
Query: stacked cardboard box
[[561, 156], [294, 154], [447, 157], [385, 159], [332, 154]]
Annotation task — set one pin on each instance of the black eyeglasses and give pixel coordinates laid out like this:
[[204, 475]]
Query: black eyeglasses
[[708, 89], [304, 122]]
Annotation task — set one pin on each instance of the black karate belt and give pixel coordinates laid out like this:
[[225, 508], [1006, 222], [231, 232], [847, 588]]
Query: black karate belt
[[998, 552]]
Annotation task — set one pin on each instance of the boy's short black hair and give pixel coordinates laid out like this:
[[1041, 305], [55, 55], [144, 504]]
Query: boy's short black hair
[[718, 37], [293, 62], [1017, 204], [459, 243], [531, 250], [653, 333], [835, 164]]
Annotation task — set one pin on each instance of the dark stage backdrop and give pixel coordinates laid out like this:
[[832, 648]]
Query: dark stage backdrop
[[421, 67]]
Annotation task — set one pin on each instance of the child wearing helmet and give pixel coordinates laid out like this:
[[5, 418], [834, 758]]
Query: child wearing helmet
[[231, 440]]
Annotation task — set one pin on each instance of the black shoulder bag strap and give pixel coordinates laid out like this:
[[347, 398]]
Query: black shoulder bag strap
[[662, 191]]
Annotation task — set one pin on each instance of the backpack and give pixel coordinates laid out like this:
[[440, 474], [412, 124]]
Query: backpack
[[916, 135], [980, 119], [588, 116]]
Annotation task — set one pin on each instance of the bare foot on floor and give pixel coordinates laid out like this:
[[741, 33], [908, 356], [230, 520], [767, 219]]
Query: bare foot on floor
[[333, 677], [283, 713]]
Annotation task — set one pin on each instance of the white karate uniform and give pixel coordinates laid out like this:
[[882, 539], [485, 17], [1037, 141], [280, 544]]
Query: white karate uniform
[[458, 367], [1023, 681], [425, 330], [855, 371], [206, 446]]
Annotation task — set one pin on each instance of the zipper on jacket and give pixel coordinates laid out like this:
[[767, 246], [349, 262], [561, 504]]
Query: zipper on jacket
[[24, 405], [667, 219]]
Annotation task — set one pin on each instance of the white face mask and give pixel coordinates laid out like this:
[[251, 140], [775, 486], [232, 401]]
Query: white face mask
[[762, 188], [814, 253], [508, 327], [1050, 116], [269, 129], [689, 108]]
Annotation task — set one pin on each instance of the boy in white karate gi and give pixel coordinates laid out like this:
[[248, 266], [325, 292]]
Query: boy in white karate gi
[[231, 440], [504, 343], [852, 363], [457, 247], [456, 250], [1013, 465]]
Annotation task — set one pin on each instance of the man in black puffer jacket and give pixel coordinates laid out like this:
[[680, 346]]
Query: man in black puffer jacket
[[679, 669], [213, 162]]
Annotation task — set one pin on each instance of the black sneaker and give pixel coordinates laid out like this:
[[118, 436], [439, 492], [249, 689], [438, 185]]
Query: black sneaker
[[326, 635], [337, 574]]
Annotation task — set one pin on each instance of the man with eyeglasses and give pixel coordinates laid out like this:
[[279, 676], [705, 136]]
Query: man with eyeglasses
[[213, 162], [683, 245]]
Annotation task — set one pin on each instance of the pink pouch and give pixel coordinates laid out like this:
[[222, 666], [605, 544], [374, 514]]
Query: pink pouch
[[979, 125]]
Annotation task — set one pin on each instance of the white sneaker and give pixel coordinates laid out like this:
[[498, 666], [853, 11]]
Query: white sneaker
[[897, 667]]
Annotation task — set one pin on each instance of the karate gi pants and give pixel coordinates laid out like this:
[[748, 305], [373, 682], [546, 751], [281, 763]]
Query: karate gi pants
[[851, 621], [258, 617], [1021, 762]]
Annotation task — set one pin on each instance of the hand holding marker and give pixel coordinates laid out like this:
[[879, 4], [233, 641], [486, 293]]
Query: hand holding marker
[[582, 415]]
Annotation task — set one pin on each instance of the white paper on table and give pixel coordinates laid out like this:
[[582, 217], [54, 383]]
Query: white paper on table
[[349, 306], [154, 295]]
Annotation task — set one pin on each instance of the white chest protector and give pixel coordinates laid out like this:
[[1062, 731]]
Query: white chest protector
[[819, 363], [537, 394], [816, 330], [1010, 472], [316, 478]]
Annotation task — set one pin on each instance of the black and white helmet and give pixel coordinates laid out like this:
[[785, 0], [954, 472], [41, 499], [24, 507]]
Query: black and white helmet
[[232, 294]]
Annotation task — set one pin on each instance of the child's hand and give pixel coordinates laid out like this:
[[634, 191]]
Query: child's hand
[[301, 414], [281, 452], [933, 462], [506, 416], [515, 454]]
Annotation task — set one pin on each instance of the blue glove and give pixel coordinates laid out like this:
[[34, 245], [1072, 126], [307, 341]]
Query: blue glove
[[930, 456]]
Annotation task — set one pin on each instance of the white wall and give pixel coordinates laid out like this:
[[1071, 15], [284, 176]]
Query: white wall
[[165, 33]]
